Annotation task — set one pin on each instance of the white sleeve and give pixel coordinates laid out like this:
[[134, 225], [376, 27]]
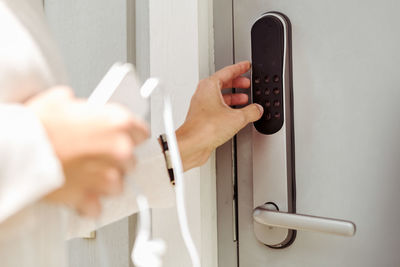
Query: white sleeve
[[149, 178], [29, 168]]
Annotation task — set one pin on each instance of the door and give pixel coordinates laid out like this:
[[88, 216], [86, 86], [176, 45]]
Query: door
[[346, 132]]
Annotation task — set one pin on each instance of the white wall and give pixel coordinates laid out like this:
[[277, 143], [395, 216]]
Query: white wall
[[181, 54]]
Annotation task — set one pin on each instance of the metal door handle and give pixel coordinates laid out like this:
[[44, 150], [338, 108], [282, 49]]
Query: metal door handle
[[269, 216]]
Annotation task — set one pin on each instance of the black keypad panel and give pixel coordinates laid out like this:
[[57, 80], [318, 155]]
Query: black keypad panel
[[267, 41]]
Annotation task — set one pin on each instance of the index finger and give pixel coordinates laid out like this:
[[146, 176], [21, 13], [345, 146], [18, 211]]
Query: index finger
[[226, 75]]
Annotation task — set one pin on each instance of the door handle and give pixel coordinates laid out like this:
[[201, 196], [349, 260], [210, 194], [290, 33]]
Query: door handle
[[268, 215]]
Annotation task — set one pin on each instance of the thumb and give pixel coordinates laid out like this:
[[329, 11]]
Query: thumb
[[90, 206], [252, 112]]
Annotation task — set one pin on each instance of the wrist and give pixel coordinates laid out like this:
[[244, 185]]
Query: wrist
[[193, 148]]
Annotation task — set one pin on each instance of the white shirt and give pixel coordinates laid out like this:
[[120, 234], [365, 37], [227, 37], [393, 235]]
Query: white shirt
[[32, 232]]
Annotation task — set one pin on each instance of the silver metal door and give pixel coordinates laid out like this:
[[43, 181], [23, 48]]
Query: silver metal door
[[346, 88]]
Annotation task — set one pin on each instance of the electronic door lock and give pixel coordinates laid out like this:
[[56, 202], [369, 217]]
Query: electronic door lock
[[276, 223]]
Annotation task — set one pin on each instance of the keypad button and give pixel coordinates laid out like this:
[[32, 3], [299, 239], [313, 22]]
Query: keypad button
[[258, 92], [257, 80], [276, 78], [276, 91], [268, 116], [267, 91], [267, 79], [277, 103], [277, 115], [268, 103]]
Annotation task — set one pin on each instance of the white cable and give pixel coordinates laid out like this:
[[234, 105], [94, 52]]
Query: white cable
[[147, 89], [179, 182], [146, 252]]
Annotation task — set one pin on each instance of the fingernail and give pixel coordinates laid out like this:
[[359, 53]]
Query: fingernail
[[260, 108]]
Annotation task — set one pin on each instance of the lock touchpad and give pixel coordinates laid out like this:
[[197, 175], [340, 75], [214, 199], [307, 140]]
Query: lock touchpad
[[267, 38]]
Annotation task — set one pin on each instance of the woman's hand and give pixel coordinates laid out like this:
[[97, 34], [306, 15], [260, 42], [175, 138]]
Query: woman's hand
[[210, 121], [94, 145]]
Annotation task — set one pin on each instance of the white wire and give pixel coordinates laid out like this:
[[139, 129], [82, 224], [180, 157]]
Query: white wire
[[146, 91], [179, 182], [146, 252]]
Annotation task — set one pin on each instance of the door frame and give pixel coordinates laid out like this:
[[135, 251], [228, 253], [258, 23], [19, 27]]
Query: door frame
[[228, 243], [181, 54]]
